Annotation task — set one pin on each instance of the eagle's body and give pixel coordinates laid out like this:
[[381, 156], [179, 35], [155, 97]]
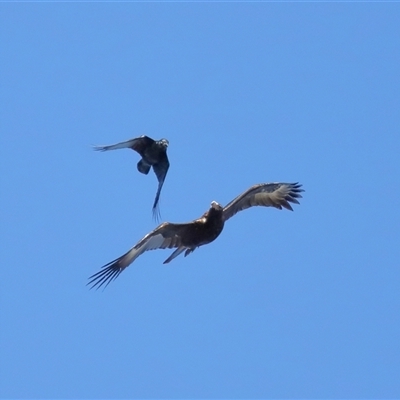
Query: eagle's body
[[187, 237], [205, 229], [153, 153]]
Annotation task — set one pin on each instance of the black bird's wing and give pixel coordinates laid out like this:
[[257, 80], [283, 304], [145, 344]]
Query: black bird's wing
[[166, 235], [160, 169], [276, 195], [139, 144]]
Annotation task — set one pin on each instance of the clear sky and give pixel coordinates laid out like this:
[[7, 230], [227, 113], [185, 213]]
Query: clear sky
[[283, 304]]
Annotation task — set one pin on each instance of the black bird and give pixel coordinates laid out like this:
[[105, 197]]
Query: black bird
[[187, 236], [153, 153]]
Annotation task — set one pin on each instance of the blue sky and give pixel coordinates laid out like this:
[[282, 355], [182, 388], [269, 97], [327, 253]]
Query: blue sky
[[283, 304]]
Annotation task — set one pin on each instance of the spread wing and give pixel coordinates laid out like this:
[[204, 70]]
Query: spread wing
[[160, 169], [166, 235], [139, 144], [276, 195]]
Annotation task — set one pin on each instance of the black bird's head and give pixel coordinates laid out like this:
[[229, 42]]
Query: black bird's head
[[164, 143]]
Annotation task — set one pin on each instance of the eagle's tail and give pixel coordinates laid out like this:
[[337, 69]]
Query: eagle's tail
[[176, 253]]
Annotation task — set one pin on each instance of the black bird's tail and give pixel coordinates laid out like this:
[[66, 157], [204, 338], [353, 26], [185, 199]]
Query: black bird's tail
[[143, 167]]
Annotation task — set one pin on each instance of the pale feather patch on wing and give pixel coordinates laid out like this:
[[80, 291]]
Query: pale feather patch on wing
[[278, 198], [111, 271], [152, 243], [276, 195]]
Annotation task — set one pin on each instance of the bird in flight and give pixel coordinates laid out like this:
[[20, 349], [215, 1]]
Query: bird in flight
[[154, 154], [187, 237]]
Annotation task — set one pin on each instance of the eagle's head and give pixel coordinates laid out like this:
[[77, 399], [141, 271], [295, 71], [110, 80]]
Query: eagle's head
[[216, 206]]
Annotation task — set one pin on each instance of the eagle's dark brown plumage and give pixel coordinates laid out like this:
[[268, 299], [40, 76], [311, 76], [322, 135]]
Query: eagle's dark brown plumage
[[187, 236], [153, 153]]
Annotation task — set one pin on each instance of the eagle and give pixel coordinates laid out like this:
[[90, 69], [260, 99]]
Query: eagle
[[186, 237], [153, 153]]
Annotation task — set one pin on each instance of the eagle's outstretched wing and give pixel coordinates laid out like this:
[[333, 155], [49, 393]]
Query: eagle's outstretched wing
[[276, 195], [139, 144], [166, 235], [160, 169]]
